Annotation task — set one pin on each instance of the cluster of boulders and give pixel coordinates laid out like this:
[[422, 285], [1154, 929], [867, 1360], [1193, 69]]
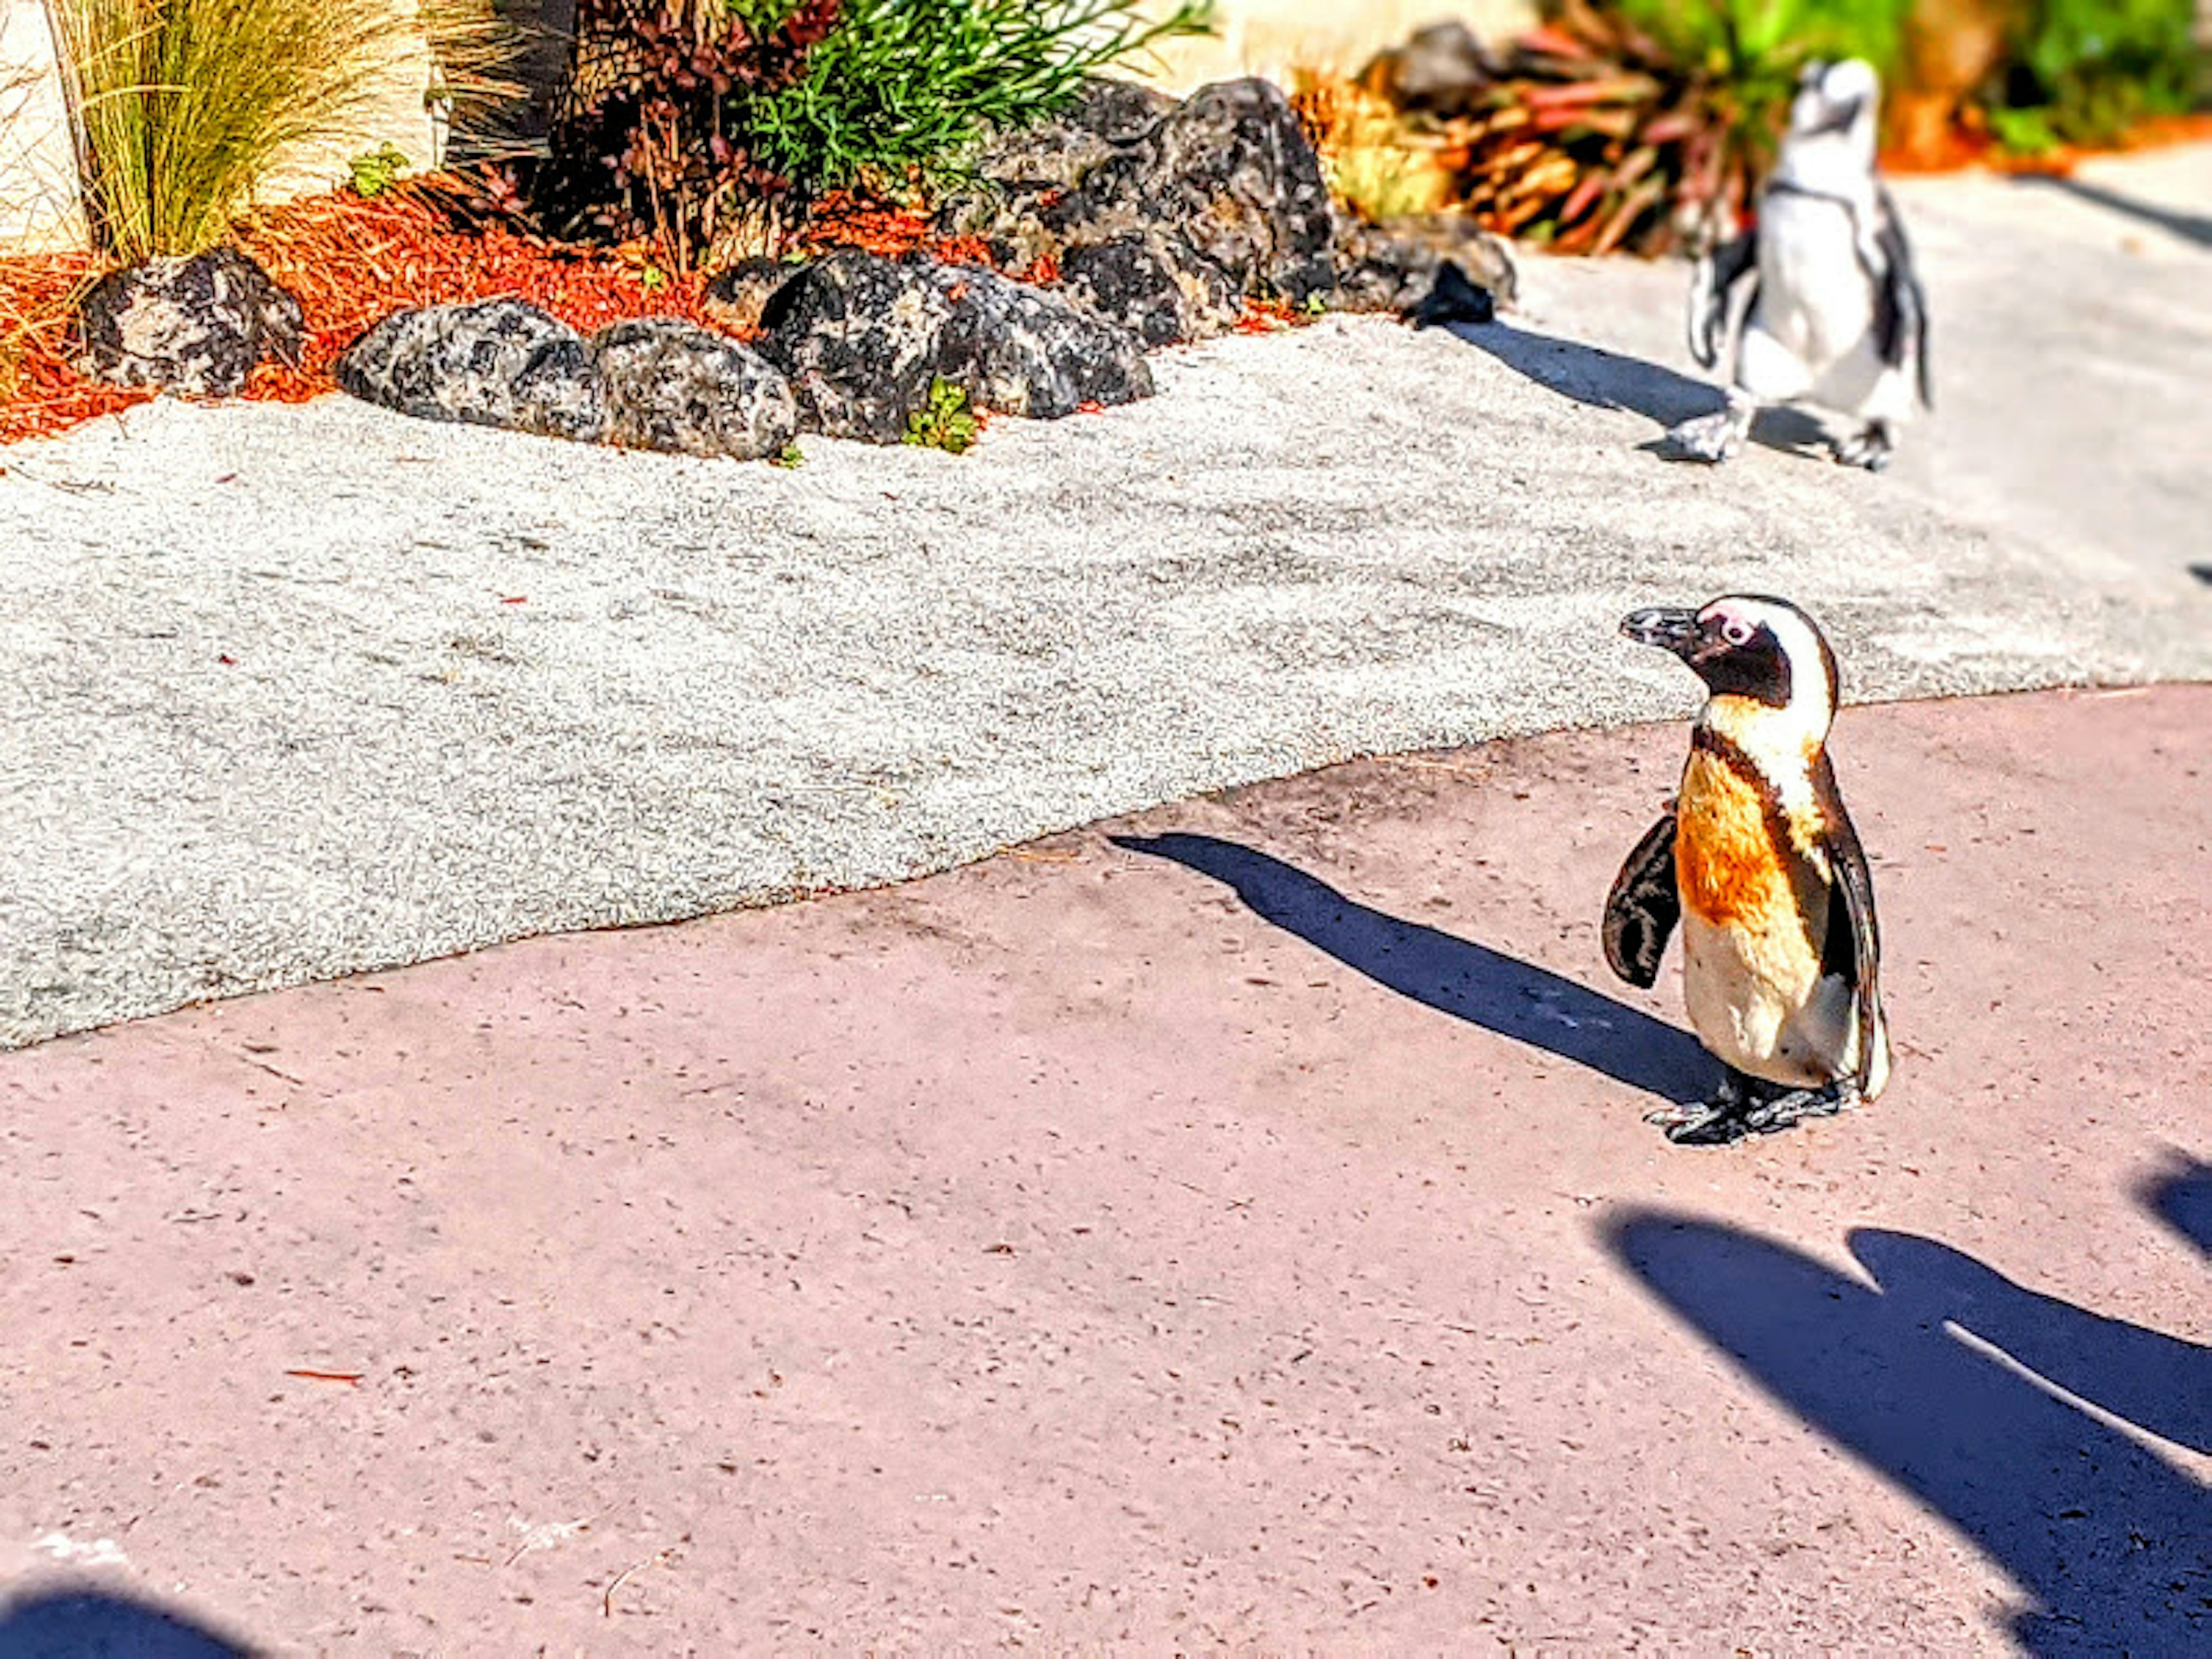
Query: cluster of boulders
[[1152, 219]]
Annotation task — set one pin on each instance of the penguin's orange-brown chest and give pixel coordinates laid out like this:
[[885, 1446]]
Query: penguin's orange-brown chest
[[1729, 870]]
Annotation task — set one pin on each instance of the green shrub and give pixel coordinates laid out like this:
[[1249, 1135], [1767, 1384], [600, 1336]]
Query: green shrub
[[906, 88], [2088, 69], [181, 108], [701, 123]]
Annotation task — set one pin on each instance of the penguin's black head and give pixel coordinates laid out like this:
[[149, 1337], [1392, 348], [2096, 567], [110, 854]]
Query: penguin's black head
[[1744, 645]]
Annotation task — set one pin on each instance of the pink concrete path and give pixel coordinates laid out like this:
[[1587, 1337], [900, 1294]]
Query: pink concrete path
[[1231, 1228]]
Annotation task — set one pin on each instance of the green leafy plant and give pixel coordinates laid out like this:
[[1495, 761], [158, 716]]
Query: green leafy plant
[[945, 421], [790, 457], [375, 171], [181, 108], [707, 126], [901, 88], [2086, 70]]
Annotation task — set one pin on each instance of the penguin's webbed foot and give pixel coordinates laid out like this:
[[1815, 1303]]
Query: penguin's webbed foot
[[1709, 438], [1871, 447], [1794, 1106], [1715, 1123], [1745, 1106]]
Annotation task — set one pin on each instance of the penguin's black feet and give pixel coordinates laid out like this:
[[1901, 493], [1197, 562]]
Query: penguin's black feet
[[1744, 1105], [1871, 448]]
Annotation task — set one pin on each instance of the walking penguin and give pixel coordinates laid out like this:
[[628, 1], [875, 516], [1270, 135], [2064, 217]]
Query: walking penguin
[[1758, 861], [1837, 317]]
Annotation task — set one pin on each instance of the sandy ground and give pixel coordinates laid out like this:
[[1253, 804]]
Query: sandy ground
[[285, 693], [1232, 1228]]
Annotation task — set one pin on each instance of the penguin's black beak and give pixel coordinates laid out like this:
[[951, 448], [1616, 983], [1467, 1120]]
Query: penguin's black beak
[[1668, 627]]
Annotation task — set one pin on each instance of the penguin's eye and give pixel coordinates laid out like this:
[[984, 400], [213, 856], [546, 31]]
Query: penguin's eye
[[1736, 631]]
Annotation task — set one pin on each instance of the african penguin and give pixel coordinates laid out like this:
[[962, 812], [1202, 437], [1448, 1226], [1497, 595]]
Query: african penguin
[[1837, 317], [1758, 861]]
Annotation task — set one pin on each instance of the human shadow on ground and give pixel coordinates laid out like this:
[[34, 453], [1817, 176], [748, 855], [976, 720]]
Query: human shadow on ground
[[1945, 1377], [1600, 378], [1453, 976], [65, 1624], [2180, 1195], [2190, 227]]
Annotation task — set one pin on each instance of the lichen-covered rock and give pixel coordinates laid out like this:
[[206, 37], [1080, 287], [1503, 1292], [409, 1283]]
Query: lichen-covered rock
[[196, 324], [493, 362], [1152, 283], [671, 384], [736, 297], [1106, 115], [1232, 172], [1021, 350], [860, 338], [1394, 267]]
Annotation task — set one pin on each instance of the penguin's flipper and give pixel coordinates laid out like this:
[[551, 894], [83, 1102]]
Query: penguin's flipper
[[1711, 279], [1901, 316], [1641, 911], [1852, 950]]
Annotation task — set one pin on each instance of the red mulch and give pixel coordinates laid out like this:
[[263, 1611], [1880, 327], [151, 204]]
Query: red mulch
[[353, 261]]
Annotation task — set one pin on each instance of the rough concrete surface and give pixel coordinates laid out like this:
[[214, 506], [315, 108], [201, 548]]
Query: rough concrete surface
[[288, 692], [1233, 1228]]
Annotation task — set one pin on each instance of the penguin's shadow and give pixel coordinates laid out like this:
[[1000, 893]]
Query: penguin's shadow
[[1598, 378], [1453, 976], [2188, 226], [2180, 1195], [1967, 1391], [81, 1619]]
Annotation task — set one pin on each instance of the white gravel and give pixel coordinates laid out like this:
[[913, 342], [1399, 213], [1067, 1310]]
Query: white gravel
[[286, 693]]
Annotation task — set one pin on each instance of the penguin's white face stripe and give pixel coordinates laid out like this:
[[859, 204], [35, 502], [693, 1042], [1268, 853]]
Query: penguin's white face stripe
[[1778, 739]]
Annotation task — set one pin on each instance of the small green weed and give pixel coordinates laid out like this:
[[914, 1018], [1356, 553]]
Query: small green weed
[[945, 421], [790, 457], [375, 171]]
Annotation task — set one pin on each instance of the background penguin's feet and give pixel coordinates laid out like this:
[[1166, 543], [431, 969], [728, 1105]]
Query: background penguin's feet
[[1871, 448], [1744, 1105], [1709, 438]]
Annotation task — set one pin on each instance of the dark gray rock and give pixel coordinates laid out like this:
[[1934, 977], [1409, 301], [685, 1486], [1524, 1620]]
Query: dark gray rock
[[1107, 116], [197, 324], [1443, 70], [671, 384], [1021, 350], [1232, 172], [494, 362], [1152, 283], [736, 297], [1394, 267], [860, 338]]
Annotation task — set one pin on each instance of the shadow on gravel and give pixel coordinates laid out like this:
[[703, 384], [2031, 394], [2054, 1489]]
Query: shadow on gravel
[[2181, 1197], [1600, 378], [65, 1624], [2203, 573], [1947, 1378], [1455, 976], [2190, 227]]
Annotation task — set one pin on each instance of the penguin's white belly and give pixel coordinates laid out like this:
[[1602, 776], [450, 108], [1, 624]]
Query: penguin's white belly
[[1759, 1003], [1811, 334]]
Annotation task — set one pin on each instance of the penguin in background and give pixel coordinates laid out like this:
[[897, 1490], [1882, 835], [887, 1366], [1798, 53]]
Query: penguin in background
[[1758, 861], [1837, 316]]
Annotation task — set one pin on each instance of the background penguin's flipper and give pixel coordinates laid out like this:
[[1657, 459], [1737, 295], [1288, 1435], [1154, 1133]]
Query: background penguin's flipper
[[1901, 316], [1711, 279], [1853, 947], [1641, 911]]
